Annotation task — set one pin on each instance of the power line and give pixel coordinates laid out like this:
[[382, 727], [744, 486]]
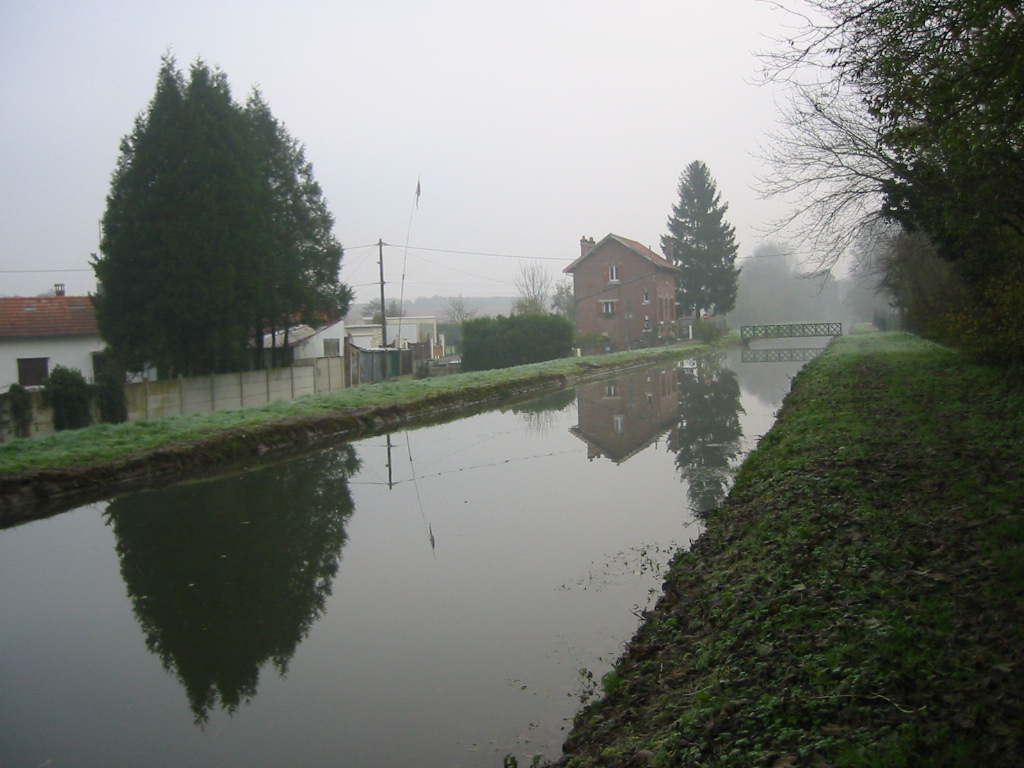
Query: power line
[[38, 271], [481, 253], [461, 271]]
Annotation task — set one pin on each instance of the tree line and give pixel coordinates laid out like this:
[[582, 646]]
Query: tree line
[[903, 139]]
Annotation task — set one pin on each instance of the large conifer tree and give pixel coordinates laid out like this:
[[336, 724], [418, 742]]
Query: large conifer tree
[[702, 244], [301, 256], [209, 236]]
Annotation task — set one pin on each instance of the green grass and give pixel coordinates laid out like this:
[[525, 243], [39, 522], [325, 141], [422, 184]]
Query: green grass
[[104, 443], [857, 600]]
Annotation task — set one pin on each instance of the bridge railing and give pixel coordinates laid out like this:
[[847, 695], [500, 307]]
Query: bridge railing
[[789, 330], [779, 355]]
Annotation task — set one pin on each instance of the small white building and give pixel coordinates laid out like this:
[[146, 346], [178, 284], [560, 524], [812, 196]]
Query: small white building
[[328, 341], [41, 332], [402, 331]]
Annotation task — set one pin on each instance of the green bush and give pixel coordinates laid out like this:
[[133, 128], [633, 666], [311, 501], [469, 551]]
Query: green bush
[[501, 342], [20, 402], [708, 331], [70, 396]]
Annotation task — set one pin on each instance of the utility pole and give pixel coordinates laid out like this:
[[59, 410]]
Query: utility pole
[[383, 309]]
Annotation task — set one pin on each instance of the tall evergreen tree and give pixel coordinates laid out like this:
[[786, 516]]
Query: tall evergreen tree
[[702, 244], [214, 231], [301, 257]]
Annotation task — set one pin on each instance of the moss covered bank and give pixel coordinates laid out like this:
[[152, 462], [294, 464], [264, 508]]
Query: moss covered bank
[[858, 599]]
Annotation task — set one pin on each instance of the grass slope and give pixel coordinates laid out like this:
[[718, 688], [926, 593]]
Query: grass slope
[[858, 599]]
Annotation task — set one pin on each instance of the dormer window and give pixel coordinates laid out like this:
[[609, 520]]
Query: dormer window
[[613, 273]]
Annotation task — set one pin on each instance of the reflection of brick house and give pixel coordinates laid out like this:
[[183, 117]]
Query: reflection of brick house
[[620, 417], [623, 291]]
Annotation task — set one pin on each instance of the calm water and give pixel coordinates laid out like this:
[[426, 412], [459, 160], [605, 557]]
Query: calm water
[[438, 597]]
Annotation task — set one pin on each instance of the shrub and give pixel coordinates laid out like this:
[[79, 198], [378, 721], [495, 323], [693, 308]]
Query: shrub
[[502, 342], [708, 331], [70, 396], [20, 402]]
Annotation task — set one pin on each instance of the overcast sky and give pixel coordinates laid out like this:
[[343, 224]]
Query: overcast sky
[[528, 124]]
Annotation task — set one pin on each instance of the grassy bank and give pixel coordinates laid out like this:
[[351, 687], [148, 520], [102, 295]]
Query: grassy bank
[[86, 462], [858, 599]]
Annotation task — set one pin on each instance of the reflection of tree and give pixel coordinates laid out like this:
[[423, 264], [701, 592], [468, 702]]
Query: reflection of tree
[[707, 439], [540, 416], [227, 574]]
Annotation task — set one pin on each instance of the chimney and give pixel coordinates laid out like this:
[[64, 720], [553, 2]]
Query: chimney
[[586, 246], [58, 289]]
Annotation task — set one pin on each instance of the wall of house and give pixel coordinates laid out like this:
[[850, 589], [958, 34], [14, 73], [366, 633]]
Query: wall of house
[[313, 347], [411, 330], [366, 336], [69, 351], [627, 325], [402, 331]]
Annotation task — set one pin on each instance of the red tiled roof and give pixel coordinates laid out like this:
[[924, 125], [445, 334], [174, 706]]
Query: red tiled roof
[[633, 245], [646, 252], [22, 316]]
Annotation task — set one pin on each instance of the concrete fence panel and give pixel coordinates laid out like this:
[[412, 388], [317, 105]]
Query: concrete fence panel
[[279, 384], [148, 400], [227, 392], [197, 394], [163, 398], [254, 388]]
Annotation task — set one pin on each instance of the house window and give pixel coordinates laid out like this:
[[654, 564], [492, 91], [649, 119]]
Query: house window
[[647, 322], [32, 371], [619, 423], [332, 347], [613, 273], [611, 390], [647, 296], [608, 308]]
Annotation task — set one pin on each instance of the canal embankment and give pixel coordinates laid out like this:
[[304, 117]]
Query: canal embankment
[[858, 599], [45, 475]]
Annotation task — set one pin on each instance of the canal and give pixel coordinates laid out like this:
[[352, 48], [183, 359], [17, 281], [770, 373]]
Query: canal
[[437, 597]]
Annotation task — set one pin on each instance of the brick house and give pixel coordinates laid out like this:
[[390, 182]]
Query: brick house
[[624, 293], [40, 332]]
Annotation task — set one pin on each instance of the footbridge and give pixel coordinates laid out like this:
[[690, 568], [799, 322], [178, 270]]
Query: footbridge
[[789, 330]]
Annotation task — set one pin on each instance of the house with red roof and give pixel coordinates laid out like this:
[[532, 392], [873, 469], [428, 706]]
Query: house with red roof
[[625, 293], [39, 333]]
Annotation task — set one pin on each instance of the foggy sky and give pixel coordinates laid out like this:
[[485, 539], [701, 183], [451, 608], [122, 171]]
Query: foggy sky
[[528, 124]]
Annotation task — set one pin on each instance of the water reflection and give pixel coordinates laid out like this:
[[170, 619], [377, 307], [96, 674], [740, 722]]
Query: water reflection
[[543, 561], [227, 575], [540, 416], [620, 417], [706, 439], [780, 354]]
